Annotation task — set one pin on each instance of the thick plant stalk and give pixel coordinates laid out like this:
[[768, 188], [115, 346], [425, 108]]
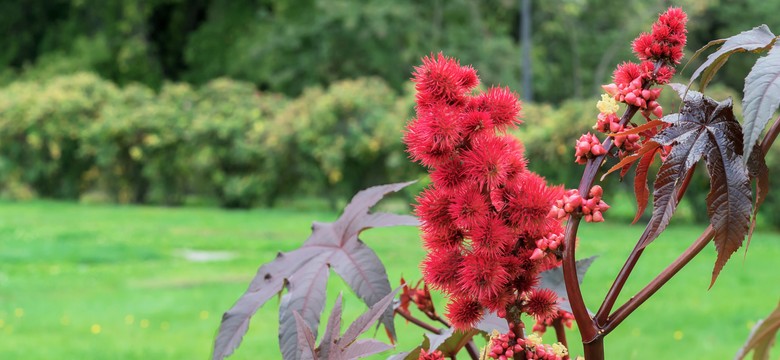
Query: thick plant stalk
[[593, 330]]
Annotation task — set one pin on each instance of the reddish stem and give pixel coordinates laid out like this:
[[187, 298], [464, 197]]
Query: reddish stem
[[621, 313], [418, 322], [631, 305], [628, 266], [587, 327]]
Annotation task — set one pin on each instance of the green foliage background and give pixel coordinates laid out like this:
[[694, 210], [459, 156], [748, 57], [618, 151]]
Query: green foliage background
[[251, 102]]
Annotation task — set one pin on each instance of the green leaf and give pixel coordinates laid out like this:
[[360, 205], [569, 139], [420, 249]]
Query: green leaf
[[762, 337], [757, 39], [762, 97]]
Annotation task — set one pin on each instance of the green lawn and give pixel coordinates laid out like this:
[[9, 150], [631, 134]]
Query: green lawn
[[112, 282]]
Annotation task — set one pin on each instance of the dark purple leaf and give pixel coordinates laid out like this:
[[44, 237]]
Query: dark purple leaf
[[305, 347], [450, 341], [330, 245], [729, 200], [759, 38], [332, 330], [306, 296], [706, 129], [407, 355], [762, 337], [760, 172], [668, 182], [762, 97], [491, 322], [363, 348], [437, 339], [364, 322], [553, 279], [359, 266], [268, 281]]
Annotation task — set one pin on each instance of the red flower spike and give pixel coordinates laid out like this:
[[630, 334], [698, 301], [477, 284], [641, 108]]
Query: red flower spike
[[445, 238], [433, 209], [481, 276], [491, 237], [449, 175], [438, 267], [542, 303], [469, 205], [667, 39], [488, 162], [464, 313], [477, 123], [485, 212], [503, 106], [442, 79]]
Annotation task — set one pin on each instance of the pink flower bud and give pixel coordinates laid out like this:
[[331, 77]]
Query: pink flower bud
[[597, 217], [568, 208], [615, 127], [610, 89], [630, 98], [658, 111], [596, 190], [598, 150], [537, 254]]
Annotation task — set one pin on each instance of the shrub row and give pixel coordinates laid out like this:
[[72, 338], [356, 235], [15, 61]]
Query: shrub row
[[79, 136]]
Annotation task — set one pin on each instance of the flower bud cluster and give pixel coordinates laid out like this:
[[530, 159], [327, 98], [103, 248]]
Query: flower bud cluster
[[433, 355], [657, 52], [632, 92], [592, 208], [588, 147], [546, 245], [610, 124], [506, 346], [565, 317]]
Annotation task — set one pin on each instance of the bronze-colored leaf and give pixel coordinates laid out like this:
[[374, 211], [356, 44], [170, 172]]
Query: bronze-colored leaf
[[641, 191], [706, 129], [759, 172], [762, 96], [762, 337], [305, 272], [756, 39]]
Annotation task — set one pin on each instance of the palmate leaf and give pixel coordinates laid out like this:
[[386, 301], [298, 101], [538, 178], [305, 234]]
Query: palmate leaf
[[336, 347], [641, 191], [758, 171], [305, 272], [762, 97], [706, 129], [762, 337], [756, 39]]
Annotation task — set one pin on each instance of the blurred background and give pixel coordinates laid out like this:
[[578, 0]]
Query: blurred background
[[287, 107], [199, 102]]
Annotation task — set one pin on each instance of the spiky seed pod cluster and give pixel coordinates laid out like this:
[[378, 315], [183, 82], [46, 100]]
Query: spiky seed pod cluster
[[484, 211]]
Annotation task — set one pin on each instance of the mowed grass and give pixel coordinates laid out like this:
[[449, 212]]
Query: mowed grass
[[111, 282]]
